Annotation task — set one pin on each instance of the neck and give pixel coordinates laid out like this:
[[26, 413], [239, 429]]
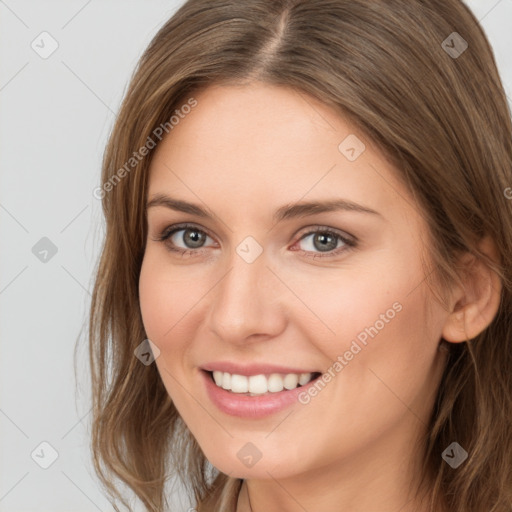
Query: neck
[[250, 499]]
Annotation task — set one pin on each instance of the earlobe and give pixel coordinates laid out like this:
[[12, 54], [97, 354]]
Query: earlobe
[[477, 303]]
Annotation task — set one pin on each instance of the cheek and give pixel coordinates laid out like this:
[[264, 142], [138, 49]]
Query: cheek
[[337, 306], [164, 303], [373, 317], [152, 300], [389, 362], [166, 297]]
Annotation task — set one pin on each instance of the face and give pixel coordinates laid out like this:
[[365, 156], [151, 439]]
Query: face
[[317, 320]]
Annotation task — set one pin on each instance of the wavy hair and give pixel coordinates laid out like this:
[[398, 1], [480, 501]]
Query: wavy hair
[[442, 118]]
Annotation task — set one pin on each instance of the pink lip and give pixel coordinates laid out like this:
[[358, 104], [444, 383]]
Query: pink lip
[[253, 407], [251, 369]]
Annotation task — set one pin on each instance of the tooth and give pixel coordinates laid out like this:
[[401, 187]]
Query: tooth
[[291, 380], [258, 384], [304, 378], [239, 383], [226, 381], [275, 383], [217, 377]]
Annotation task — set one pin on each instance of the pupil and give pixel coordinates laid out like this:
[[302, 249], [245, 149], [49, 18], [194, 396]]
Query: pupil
[[194, 238], [323, 237]]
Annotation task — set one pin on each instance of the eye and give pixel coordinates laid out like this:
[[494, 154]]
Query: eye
[[325, 240], [185, 239], [321, 242]]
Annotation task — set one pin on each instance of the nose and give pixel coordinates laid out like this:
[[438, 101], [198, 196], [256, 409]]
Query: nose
[[246, 305]]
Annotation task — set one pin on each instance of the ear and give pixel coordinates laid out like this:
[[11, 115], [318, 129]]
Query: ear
[[476, 301]]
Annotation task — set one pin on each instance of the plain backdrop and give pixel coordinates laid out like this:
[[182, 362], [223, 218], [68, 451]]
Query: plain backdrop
[[56, 115]]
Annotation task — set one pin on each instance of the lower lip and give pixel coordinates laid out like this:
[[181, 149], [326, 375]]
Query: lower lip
[[243, 406]]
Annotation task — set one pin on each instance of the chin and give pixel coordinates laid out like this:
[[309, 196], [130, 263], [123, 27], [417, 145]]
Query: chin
[[245, 462]]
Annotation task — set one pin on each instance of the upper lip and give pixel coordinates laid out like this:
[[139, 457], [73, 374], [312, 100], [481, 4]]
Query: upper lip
[[253, 368]]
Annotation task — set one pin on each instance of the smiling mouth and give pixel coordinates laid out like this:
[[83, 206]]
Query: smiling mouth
[[262, 384]]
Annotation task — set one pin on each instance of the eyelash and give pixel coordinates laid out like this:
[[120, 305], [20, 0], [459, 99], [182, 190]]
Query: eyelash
[[350, 243]]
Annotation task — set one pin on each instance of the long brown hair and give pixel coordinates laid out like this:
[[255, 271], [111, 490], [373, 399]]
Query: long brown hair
[[436, 109]]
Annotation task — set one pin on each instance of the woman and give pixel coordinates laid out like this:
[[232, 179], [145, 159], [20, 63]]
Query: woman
[[303, 299]]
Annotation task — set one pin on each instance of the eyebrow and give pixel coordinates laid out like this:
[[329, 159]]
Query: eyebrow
[[289, 211]]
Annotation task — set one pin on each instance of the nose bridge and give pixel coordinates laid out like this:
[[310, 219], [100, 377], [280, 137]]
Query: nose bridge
[[242, 302]]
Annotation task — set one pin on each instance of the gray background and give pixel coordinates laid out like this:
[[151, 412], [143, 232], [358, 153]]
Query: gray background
[[56, 115]]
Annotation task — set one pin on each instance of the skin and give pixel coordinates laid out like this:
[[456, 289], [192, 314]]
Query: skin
[[243, 152]]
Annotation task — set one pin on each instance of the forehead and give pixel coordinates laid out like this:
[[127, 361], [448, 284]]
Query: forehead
[[261, 145], [226, 115]]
